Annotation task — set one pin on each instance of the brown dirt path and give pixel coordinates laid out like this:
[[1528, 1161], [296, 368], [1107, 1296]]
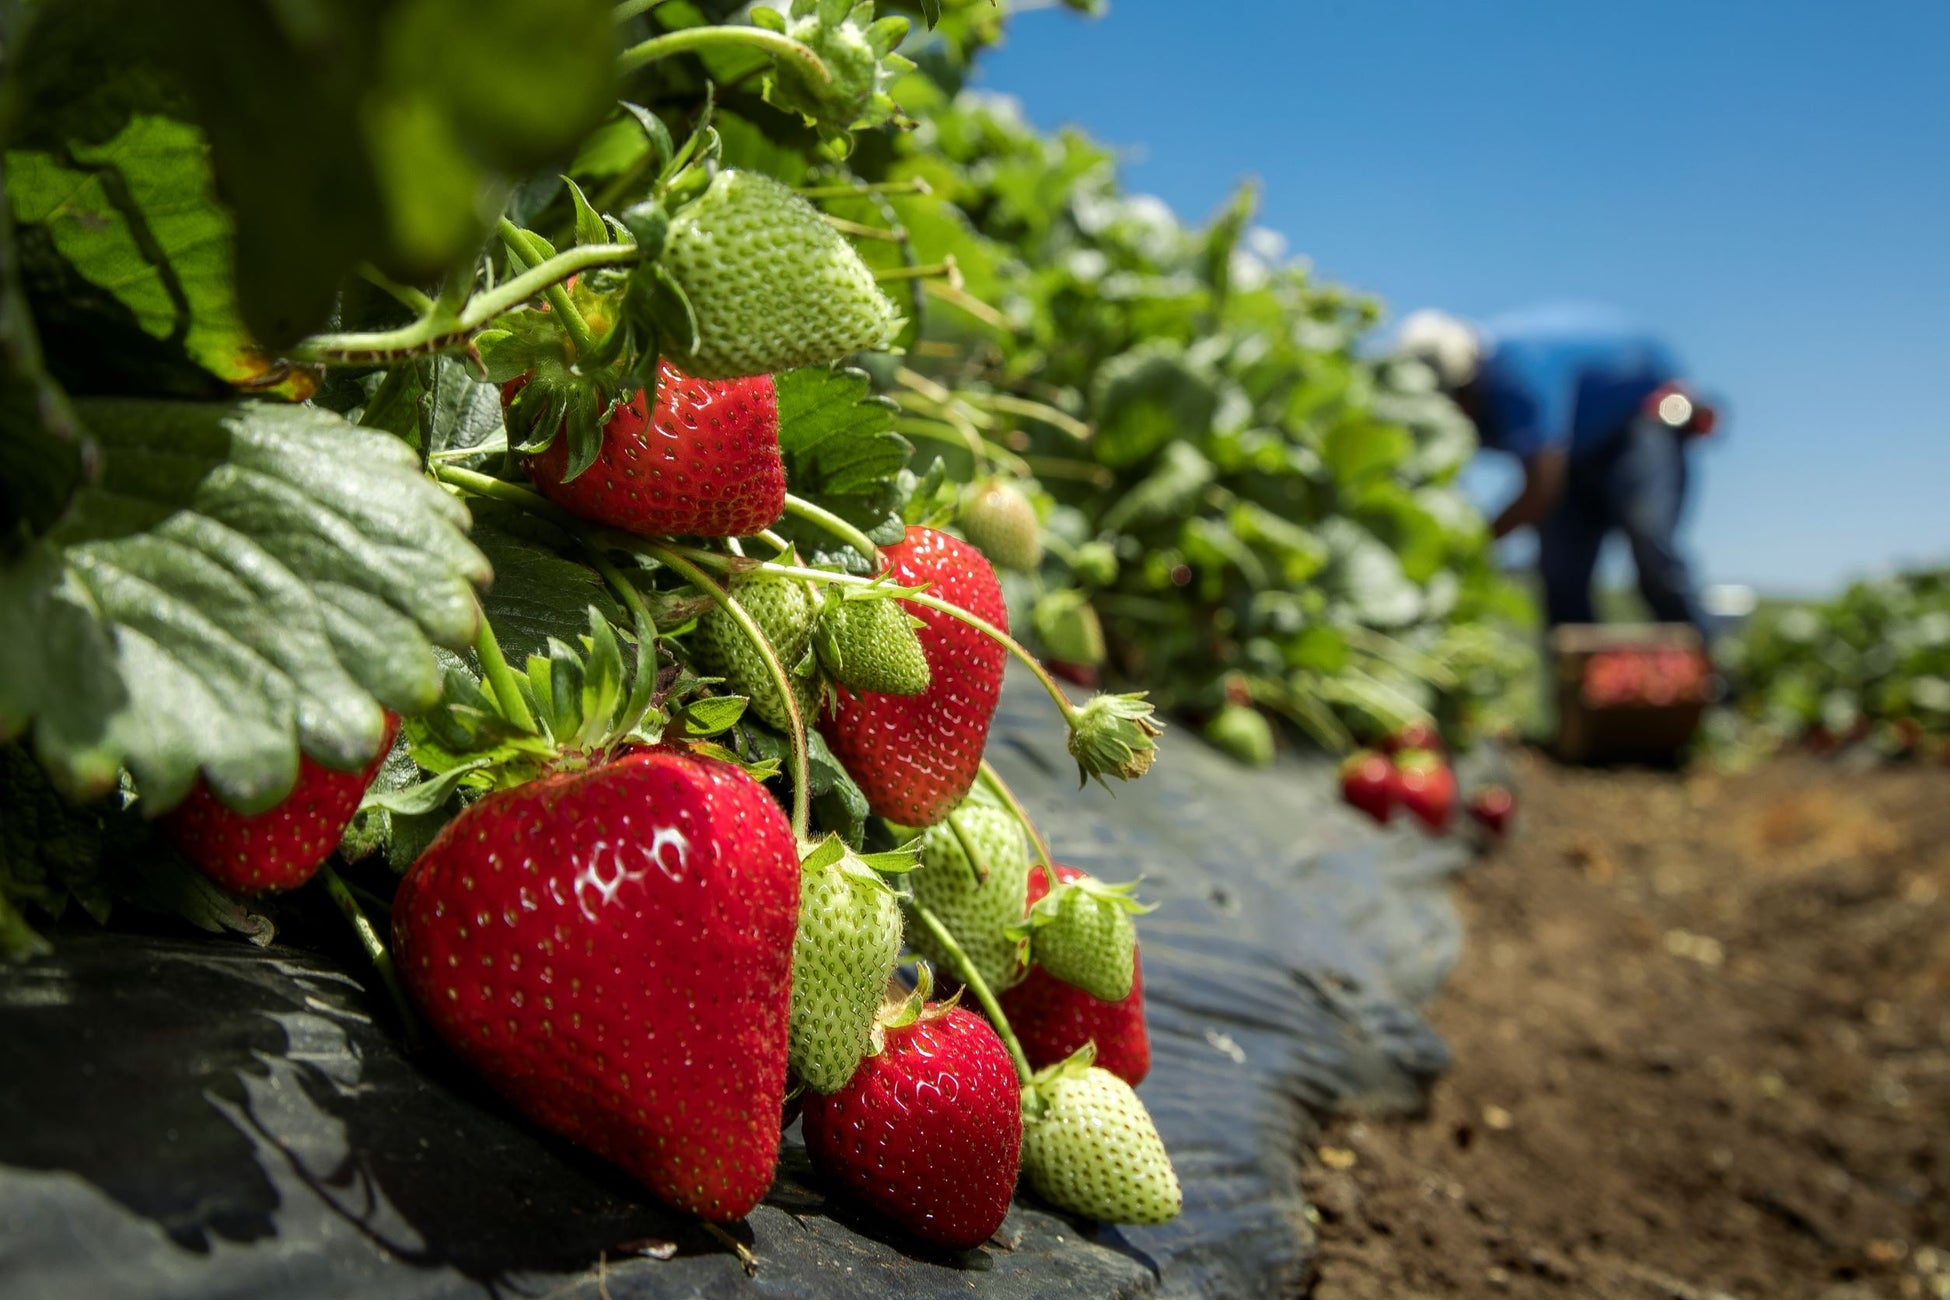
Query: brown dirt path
[[1702, 1049]]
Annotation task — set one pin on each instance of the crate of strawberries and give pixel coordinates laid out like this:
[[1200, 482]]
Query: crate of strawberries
[[1628, 693]]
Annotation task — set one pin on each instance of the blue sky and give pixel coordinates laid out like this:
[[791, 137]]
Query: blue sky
[[1765, 181]]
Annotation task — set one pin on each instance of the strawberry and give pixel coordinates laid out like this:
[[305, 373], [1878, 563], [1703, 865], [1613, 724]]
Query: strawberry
[[611, 949], [1493, 806], [998, 518], [980, 912], [848, 941], [1419, 734], [704, 462], [1243, 733], [1053, 1019], [783, 610], [915, 756], [284, 846], [772, 285], [1067, 625], [1081, 933], [1425, 786], [929, 1130], [1089, 1146], [871, 645], [1368, 783]]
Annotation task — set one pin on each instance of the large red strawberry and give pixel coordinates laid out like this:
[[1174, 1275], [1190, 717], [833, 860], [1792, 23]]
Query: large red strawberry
[[1053, 1019], [1368, 783], [282, 847], [611, 949], [915, 756], [1425, 786], [703, 462], [929, 1131]]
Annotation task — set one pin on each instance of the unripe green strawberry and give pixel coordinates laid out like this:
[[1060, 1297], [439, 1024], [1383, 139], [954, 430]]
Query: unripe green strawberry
[[1081, 933], [870, 645], [1089, 1146], [848, 940], [999, 519], [773, 286], [1094, 564], [1067, 625], [1242, 732], [783, 610], [858, 53], [983, 915]]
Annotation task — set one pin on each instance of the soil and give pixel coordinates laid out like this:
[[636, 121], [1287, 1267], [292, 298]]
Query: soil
[[1701, 1037]]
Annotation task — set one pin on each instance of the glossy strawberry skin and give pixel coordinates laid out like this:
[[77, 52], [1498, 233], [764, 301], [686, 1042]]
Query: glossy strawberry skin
[[915, 756], [1426, 787], [1368, 783], [928, 1132], [282, 847], [704, 462], [611, 949], [1053, 1019]]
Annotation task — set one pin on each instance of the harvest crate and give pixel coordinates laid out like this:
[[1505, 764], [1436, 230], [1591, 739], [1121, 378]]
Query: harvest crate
[[1628, 693]]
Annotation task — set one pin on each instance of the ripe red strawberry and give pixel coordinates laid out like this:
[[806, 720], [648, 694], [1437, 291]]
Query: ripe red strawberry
[[1426, 787], [1492, 806], [929, 1131], [1419, 734], [1368, 783], [704, 462], [611, 949], [282, 847], [1053, 1019], [915, 756]]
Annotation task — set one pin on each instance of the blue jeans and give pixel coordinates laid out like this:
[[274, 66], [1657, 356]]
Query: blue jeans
[[1635, 485]]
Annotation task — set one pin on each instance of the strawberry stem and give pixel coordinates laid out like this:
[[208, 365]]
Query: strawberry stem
[[522, 251], [691, 39], [820, 517], [861, 189], [445, 329], [501, 678], [801, 784], [993, 779], [376, 951], [946, 268], [964, 970]]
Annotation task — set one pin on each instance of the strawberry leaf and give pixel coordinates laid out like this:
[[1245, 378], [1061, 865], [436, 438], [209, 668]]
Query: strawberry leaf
[[245, 580], [841, 451]]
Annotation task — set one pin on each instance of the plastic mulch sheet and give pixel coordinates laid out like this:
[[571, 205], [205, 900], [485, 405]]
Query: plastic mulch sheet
[[197, 1116]]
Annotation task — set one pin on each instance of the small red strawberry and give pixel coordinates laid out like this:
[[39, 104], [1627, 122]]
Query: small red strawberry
[[1492, 806], [1053, 1019], [282, 847], [1419, 734], [915, 756], [929, 1130], [1368, 783], [704, 462], [611, 949], [1426, 787]]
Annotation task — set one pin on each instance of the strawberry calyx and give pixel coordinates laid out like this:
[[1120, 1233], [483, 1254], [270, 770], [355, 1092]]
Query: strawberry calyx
[[1114, 735], [1035, 1089], [1418, 760]]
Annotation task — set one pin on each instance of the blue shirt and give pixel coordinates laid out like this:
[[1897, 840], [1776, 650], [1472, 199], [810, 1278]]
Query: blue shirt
[[1567, 376]]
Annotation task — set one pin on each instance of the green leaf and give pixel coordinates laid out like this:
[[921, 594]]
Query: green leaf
[[423, 797], [1358, 450], [537, 593], [244, 581], [708, 715], [840, 447]]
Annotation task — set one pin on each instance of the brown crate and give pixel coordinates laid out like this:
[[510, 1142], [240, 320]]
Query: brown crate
[[1646, 733]]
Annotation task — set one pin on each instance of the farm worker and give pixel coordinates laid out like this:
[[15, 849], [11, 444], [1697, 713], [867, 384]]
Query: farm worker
[[1581, 397]]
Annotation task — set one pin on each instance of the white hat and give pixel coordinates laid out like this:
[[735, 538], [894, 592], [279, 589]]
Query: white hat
[[1448, 346]]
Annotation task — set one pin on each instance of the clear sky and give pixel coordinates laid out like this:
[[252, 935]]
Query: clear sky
[[1765, 181]]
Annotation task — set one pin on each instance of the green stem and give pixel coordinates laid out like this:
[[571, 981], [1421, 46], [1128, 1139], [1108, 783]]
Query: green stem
[[964, 970], [1032, 410], [914, 186], [994, 781], [501, 678], [478, 484], [860, 230], [404, 294], [376, 952], [820, 517], [703, 38], [632, 8], [523, 251], [801, 781], [443, 329], [946, 267]]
